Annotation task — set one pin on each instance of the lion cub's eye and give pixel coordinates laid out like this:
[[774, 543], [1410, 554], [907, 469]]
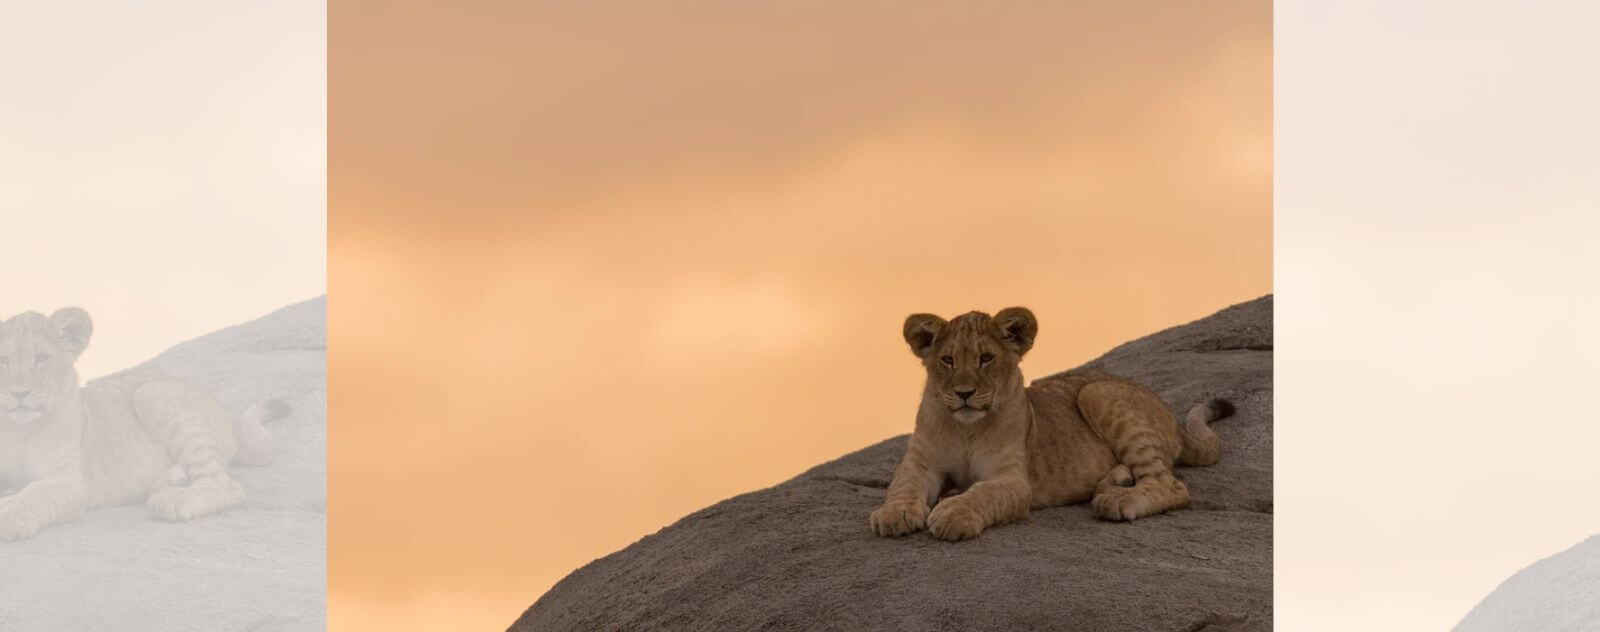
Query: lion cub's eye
[[947, 360], [985, 358], [40, 359]]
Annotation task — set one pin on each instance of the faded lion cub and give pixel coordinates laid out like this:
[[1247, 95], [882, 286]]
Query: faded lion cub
[[135, 436], [1064, 440]]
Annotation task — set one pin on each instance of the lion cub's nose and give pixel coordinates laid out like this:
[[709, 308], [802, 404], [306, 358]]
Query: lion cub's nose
[[965, 394], [21, 392]]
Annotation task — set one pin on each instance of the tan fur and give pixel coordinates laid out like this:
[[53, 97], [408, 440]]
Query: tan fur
[[1008, 449], [136, 436]]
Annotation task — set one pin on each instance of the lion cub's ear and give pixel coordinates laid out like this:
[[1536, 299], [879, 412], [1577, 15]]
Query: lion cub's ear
[[1017, 328], [920, 331], [75, 328]]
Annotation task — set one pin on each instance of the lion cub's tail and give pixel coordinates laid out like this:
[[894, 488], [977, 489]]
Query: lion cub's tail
[[256, 445], [1200, 444]]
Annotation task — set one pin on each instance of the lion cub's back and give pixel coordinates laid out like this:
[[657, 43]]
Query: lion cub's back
[[121, 459], [1066, 459]]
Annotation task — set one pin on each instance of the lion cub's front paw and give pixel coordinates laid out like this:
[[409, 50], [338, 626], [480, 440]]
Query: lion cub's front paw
[[175, 504], [953, 521], [1119, 504], [201, 497], [15, 522], [899, 518]]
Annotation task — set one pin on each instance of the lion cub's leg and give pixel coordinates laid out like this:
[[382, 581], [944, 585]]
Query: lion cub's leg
[[1143, 436], [198, 437], [57, 498], [1118, 477], [915, 488], [989, 502]]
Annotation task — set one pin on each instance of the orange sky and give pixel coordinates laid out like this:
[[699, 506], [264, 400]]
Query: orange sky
[[592, 269]]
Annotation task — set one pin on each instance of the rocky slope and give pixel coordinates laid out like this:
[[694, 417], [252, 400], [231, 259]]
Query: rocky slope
[[799, 556], [1560, 593]]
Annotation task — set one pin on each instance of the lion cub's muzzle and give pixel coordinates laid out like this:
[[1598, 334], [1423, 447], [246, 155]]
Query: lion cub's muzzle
[[23, 406], [968, 406]]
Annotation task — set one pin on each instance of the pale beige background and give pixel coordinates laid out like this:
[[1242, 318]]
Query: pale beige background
[[162, 164], [1438, 312], [594, 269]]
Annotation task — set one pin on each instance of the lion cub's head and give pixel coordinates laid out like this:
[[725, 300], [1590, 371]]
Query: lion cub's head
[[36, 361], [972, 359]]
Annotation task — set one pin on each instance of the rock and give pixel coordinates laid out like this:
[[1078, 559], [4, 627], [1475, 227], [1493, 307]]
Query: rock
[[259, 567], [1557, 593], [800, 556]]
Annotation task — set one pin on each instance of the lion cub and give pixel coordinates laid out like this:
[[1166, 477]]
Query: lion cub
[[134, 436], [1064, 440]]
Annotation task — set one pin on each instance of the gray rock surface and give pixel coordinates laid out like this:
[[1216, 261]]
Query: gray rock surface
[[1560, 593], [261, 567], [799, 556]]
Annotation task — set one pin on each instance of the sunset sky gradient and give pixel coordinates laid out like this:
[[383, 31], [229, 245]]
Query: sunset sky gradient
[[596, 266]]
